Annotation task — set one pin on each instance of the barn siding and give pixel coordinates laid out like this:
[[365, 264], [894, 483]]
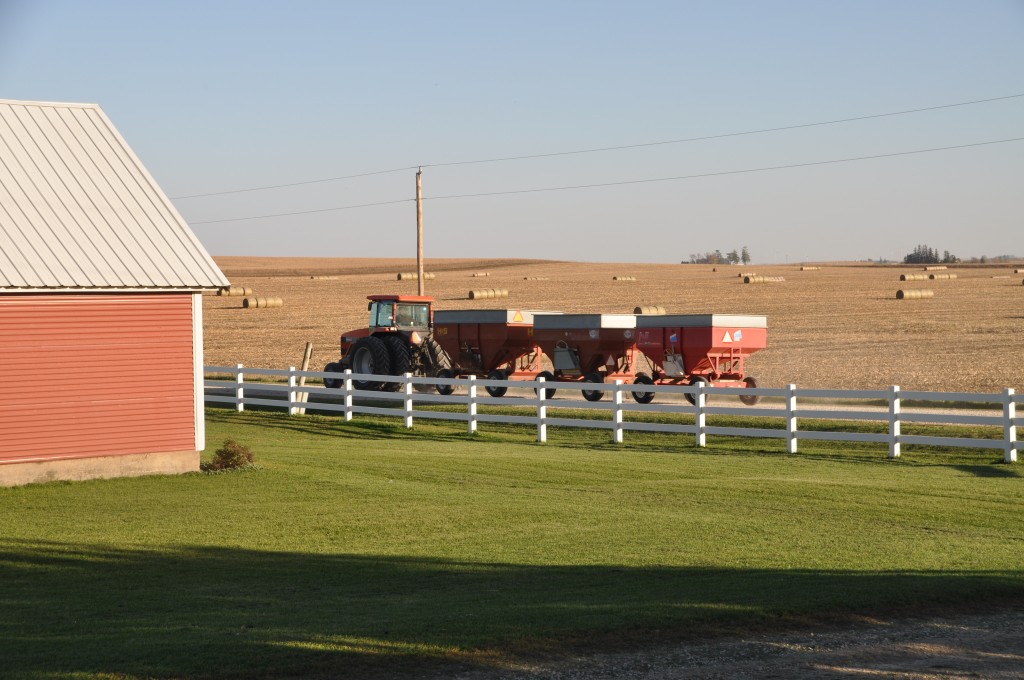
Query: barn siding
[[96, 374]]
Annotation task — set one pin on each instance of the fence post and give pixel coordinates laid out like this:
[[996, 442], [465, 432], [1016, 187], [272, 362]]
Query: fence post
[[542, 411], [791, 440], [292, 409], [894, 421], [239, 390], [1009, 429], [407, 393], [701, 419], [471, 401], [617, 412], [348, 394]]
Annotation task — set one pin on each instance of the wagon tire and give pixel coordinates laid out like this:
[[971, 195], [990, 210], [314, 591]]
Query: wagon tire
[[446, 389], [750, 399], [694, 380], [593, 395], [643, 397], [497, 390], [370, 357], [548, 376], [332, 383]]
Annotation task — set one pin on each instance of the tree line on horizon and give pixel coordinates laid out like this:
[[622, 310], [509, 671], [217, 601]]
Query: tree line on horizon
[[716, 257]]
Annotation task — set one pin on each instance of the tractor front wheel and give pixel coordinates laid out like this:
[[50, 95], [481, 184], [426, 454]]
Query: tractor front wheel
[[446, 389], [332, 367], [370, 357]]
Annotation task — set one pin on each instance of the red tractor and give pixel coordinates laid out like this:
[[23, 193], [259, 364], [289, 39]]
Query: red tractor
[[399, 340]]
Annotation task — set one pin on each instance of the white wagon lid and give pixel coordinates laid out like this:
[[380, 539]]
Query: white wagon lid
[[702, 321], [518, 316], [586, 321]]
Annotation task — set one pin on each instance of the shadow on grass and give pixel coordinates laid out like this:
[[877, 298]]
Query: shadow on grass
[[223, 612]]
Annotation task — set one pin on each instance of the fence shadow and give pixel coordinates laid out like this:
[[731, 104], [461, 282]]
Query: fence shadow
[[220, 611]]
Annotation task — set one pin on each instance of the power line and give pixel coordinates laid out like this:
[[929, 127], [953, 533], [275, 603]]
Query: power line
[[627, 182], [602, 149], [722, 136], [293, 184], [304, 212]]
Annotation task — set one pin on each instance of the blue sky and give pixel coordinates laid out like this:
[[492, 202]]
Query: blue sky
[[215, 96]]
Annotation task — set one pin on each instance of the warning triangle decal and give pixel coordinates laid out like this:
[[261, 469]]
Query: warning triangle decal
[[727, 338], [517, 316]]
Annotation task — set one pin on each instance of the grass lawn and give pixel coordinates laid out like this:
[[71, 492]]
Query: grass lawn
[[360, 548]]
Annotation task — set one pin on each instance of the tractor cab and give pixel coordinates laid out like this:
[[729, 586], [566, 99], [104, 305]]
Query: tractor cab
[[393, 313]]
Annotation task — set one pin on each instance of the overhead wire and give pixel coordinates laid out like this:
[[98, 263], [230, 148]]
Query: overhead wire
[[628, 182], [640, 145]]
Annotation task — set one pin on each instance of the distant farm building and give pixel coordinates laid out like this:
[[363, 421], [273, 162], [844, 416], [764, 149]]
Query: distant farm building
[[101, 327]]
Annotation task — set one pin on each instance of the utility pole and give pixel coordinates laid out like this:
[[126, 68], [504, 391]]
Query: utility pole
[[419, 231]]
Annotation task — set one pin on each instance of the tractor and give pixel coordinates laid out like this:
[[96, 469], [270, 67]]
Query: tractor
[[399, 340]]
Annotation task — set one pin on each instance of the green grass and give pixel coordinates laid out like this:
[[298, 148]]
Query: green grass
[[361, 548]]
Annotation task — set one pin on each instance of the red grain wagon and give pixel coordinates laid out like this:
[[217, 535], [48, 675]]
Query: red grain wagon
[[692, 348], [589, 348], [496, 343]]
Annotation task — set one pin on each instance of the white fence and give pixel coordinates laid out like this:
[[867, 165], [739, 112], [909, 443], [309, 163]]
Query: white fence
[[295, 397]]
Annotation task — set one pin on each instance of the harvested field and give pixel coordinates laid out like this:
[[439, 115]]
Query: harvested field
[[841, 328]]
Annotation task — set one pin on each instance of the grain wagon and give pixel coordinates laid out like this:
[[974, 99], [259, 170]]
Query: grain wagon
[[589, 348], [694, 348], [496, 343]]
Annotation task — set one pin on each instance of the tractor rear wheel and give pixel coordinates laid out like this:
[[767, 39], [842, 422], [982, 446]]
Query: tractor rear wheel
[[593, 395], [332, 367], [643, 397], [401, 359], [497, 390], [750, 399], [695, 380], [370, 357]]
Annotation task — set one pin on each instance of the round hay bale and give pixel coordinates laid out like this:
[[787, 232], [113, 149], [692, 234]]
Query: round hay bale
[[913, 277], [809, 269], [763, 279], [535, 278], [322, 278], [649, 309], [235, 291], [484, 294], [623, 278], [917, 294], [1018, 271], [941, 277], [744, 275], [413, 276], [478, 274], [934, 267], [262, 302]]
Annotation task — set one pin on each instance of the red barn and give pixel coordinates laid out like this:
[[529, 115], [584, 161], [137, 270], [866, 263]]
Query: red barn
[[101, 326]]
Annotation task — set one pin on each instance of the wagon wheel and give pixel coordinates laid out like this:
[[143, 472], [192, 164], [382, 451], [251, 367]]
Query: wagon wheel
[[694, 380], [750, 399], [593, 395], [446, 389], [370, 357], [643, 397], [332, 367], [549, 392], [497, 390]]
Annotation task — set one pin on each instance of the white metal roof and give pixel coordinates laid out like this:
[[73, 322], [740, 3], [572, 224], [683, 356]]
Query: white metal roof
[[78, 210]]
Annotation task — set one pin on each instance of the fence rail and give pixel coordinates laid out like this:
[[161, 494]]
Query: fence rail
[[291, 393]]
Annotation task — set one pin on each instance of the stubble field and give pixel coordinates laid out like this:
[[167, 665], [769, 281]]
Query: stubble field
[[837, 327]]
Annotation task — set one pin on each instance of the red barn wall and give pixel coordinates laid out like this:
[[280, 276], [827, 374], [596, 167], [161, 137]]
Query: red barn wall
[[89, 374]]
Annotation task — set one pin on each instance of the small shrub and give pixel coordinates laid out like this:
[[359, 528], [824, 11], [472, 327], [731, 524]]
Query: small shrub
[[231, 456]]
